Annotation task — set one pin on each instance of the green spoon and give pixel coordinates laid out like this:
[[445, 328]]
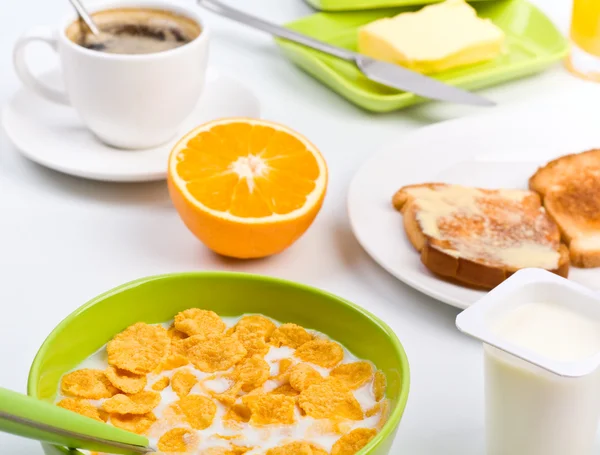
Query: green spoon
[[35, 419]]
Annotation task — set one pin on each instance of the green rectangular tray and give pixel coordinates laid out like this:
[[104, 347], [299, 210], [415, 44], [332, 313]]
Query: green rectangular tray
[[356, 5], [533, 43]]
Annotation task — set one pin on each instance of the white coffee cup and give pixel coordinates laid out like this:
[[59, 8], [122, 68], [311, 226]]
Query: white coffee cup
[[127, 101]]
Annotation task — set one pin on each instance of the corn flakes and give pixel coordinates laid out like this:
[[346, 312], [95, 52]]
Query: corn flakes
[[285, 389], [303, 375], [297, 448], [284, 365], [258, 391], [256, 324], [239, 412], [291, 335], [199, 322], [175, 334], [316, 450], [139, 348], [293, 448], [139, 403], [182, 382], [381, 407], [233, 425], [87, 383], [172, 416], [83, 407], [125, 381], [352, 442], [229, 397], [379, 384], [255, 405], [239, 450], [354, 375], [254, 343], [230, 437], [374, 410], [161, 384], [214, 354], [330, 399], [215, 451], [329, 427], [385, 413], [270, 409], [233, 450], [321, 352], [172, 362], [136, 423], [178, 440], [199, 411], [176, 357], [251, 373], [103, 415]]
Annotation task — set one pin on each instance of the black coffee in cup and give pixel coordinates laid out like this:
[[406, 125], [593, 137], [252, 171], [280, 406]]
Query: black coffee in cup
[[135, 31]]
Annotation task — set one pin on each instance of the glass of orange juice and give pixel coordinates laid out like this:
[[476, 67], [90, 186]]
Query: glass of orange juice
[[584, 59]]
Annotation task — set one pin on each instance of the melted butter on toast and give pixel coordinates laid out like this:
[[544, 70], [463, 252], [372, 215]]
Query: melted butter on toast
[[494, 227]]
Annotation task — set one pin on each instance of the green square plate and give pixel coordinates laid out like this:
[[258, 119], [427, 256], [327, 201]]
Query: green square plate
[[533, 44], [357, 5]]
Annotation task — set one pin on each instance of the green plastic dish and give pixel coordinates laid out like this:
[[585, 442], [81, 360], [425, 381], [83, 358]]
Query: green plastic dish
[[533, 43], [158, 299], [358, 5]]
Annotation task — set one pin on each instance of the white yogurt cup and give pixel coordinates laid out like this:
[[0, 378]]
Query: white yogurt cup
[[530, 411], [541, 337]]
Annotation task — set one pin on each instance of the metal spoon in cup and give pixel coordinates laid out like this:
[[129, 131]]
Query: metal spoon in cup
[[99, 37], [85, 16]]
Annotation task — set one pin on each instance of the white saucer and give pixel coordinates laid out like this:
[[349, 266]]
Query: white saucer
[[53, 136], [500, 149]]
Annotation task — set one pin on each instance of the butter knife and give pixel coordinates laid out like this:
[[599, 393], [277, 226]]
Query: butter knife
[[385, 73]]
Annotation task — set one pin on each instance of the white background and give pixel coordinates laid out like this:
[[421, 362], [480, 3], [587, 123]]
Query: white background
[[64, 240]]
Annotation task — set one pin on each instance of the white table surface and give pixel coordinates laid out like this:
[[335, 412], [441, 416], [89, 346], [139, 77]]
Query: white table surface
[[64, 240]]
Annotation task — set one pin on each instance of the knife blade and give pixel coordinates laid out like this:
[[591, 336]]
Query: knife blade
[[396, 76]]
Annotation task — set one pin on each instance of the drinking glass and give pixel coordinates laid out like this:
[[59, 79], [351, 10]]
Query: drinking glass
[[584, 58]]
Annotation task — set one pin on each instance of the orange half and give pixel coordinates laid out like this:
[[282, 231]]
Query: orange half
[[247, 188]]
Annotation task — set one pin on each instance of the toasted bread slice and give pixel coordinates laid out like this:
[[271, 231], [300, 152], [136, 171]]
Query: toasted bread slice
[[480, 237], [570, 190]]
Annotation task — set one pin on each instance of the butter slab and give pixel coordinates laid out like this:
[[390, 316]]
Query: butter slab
[[436, 38]]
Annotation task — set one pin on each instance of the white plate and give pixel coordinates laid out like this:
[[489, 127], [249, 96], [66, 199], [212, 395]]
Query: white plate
[[53, 136], [499, 149]]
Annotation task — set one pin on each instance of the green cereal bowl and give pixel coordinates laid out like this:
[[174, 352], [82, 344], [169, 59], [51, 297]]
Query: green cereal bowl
[[159, 298]]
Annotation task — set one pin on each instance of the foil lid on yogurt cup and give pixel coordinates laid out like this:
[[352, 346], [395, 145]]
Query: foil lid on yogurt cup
[[484, 321]]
